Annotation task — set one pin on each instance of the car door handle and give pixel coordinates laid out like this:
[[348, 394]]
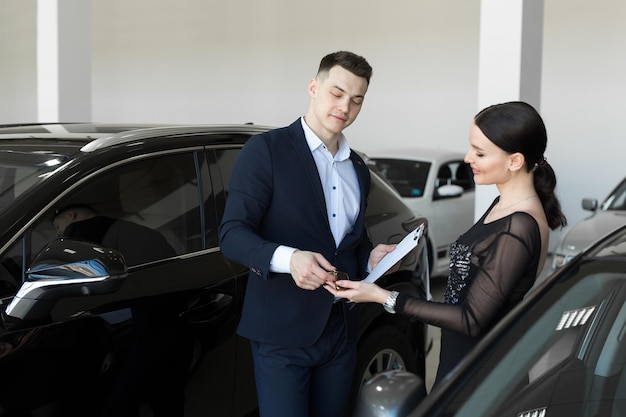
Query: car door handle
[[207, 308]]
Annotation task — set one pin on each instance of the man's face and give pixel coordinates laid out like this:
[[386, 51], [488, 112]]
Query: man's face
[[336, 101], [61, 221]]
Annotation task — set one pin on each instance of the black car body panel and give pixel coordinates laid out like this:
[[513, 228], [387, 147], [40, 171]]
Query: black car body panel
[[560, 352], [163, 328]]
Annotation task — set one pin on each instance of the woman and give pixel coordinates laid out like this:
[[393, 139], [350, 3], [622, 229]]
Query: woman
[[496, 261]]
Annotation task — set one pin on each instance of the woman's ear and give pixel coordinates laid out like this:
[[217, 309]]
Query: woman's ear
[[516, 161]]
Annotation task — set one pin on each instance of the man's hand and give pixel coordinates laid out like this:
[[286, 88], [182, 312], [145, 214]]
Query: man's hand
[[310, 269], [378, 253]]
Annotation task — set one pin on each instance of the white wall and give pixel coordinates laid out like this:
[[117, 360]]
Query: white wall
[[232, 61], [18, 65], [583, 97], [240, 61]]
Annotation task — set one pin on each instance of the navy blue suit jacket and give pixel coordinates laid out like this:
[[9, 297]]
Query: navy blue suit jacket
[[275, 197]]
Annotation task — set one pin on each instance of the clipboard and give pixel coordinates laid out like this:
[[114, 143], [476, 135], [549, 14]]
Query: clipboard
[[407, 244]]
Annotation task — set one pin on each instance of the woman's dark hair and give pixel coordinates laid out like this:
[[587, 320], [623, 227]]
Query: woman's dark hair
[[517, 127], [349, 61]]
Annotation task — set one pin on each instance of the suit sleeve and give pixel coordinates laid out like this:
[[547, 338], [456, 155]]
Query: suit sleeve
[[249, 195]]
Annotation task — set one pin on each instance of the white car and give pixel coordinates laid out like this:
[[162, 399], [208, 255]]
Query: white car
[[438, 185], [605, 218]]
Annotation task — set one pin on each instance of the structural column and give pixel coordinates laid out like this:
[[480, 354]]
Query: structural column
[[511, 38], [64, 33]]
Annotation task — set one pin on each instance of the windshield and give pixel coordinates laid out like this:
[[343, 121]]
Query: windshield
[[617, 199], [20, 171], [566, 354], [408, 177]]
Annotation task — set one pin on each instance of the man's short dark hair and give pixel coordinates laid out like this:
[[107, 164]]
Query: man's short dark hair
[[84, 208], [354, 63]]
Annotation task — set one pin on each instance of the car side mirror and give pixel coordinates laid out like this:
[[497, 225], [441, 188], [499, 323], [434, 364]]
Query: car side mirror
[[390, 394], [590, 204], [65, 268], [448, 191]]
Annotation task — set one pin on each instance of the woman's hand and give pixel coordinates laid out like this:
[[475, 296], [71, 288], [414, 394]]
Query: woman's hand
[[358, 291]]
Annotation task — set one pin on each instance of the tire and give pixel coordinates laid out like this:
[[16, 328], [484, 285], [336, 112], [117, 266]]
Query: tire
[[384, 348]]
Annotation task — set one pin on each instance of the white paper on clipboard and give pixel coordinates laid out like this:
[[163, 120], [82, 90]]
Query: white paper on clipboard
[[409, 242]]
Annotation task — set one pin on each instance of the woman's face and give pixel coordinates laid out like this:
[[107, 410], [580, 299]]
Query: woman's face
[[489, 162]]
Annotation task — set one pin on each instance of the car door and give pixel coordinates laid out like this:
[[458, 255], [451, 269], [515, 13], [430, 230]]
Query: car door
[[221, 162], [149, 344], [562, 355]]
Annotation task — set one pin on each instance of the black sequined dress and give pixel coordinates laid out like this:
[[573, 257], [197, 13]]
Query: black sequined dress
[[492, 266]]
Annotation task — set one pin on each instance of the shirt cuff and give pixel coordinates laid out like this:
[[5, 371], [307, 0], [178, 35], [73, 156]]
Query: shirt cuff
[[281, 259]]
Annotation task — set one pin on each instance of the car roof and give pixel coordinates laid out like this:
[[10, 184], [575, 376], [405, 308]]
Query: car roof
[[417, 153], [100, 135]]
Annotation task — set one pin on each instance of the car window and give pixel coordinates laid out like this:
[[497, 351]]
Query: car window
[[158, 193], [406, 176], [11, 267], [553, 357], [462, 175], [617, 199], [222, 162], [455, 173], [21, 170]]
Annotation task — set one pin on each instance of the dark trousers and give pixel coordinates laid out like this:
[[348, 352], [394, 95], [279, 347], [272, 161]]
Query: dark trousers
[[313, 381]]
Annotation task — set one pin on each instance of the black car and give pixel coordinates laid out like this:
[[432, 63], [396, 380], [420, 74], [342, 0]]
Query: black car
[[145, 317], [561, 352]]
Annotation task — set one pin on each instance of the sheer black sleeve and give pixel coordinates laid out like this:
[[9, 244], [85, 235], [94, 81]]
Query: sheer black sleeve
[[488, 276]]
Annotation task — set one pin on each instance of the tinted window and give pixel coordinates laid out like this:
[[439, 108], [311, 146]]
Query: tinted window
[[159, 193], [224, 160], [617, 199], [20, 170], [568, 351], [462, 175], [407, 177]]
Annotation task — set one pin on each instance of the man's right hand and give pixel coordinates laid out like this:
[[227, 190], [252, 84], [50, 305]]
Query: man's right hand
[[310, 269]]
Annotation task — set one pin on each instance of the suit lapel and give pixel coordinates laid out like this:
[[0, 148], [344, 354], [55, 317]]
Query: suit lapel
[[308, 163]]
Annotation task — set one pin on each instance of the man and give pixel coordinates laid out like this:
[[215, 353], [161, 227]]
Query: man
[[295, 213], [79, 220]]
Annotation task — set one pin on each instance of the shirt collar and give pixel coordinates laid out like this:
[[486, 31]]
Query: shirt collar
[[315, 142]]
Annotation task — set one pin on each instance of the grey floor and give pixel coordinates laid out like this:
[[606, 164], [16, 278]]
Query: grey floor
[[437, 287]]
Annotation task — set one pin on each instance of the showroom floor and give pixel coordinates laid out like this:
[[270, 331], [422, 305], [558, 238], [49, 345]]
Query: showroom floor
[[437, 287]]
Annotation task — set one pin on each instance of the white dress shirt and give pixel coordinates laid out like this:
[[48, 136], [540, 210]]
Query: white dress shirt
[[341, 191]]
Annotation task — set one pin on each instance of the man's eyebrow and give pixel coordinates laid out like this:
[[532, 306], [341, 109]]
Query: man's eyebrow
[[344, 91]]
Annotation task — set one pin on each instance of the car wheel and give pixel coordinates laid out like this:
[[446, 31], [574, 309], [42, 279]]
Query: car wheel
[[385, 348]]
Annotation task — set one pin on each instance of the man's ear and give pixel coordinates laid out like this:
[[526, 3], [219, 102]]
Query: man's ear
[[516, 161], [312, 87]]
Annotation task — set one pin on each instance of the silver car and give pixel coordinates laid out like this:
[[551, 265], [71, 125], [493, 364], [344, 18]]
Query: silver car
[[438, 185], [610, 215]]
